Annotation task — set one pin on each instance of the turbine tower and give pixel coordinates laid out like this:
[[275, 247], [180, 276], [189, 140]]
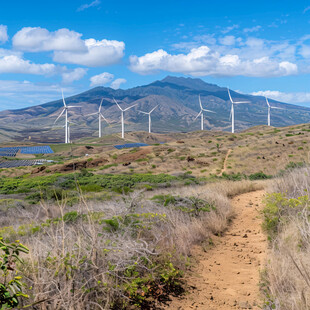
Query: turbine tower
[[100, 116], [269, 110], [201, 113], [149, 114], [65, 110], [122, 116], [232, 111]]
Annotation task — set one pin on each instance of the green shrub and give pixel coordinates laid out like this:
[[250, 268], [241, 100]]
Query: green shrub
[[259, 176], [11, 287]]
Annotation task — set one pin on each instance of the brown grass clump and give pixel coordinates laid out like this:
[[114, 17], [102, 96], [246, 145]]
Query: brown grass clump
[[287, 218]]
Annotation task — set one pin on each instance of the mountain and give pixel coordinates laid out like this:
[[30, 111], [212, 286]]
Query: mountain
[[177, 98]]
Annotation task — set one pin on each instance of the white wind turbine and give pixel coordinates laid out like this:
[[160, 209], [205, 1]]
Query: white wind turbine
[[201, 113], [149, 114], [100, 116], [65, 110], [122, 117], [269, 110], [232, 112]]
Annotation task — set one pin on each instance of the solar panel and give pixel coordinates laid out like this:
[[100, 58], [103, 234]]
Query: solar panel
[[129, 145], [12, 151], [20, 163]]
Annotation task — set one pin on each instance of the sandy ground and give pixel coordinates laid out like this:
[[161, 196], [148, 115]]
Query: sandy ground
[[227, 275]]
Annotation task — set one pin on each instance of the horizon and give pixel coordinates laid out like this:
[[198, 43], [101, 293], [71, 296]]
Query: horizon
[[261, 50]]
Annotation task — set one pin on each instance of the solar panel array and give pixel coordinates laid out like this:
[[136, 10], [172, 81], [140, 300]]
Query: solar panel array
[[12, 151], [19, 163], [128, 145], [45, 149]]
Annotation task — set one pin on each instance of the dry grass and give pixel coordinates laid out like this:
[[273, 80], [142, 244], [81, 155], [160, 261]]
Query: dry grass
[[288, 270], [85, 262]]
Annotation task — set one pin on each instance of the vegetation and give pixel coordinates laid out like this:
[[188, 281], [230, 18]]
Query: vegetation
[[286, 220]]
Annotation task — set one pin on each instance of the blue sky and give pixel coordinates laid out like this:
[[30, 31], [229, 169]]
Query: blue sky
[[261, 48]]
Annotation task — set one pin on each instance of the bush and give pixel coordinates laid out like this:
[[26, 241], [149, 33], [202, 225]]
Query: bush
[[259, 176], [11, 287]]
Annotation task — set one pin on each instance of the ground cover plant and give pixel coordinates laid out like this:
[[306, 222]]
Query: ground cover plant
[[286, 281]]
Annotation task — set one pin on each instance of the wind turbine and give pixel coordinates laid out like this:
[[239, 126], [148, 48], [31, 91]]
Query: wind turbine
[[65, 110], [269, 110], [201, 113], [100, 116], [122, 117], [232, 112], [149, 114]]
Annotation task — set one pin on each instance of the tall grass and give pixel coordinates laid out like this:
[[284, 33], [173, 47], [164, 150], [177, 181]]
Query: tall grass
[[287, 220], [127, 253]]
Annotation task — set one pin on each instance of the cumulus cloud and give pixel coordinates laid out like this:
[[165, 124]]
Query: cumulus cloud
[[37, 39], [88, 5], [101, 79], [68, 47], [230, 28], [298, 97], [3, 33], [99, 53], [15, 64], [117, 83], [202, 61], [73, 75]]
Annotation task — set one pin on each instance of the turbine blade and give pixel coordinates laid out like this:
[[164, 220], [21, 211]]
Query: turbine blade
[[198, 114], [242, 101], [130, 107], [208, 110], [63, 98], [100, 105], [74, 106], [200, 102], [91, 114], [229, 95], [104, 118], [62, 112], [118, 104], [153, 109], [267, 102], [144, 112], [231, 112], [277, 108]]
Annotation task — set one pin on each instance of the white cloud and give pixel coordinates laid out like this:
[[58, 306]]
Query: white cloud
[[306, 9], [230, 28], [117, 83], [99, 53], [227, 40], [299, 97], [36, 39], [252, 29], [73, 75], [3, 33], [88, 5], [202, 61], [15, 64], [68, 47], [101, 79]]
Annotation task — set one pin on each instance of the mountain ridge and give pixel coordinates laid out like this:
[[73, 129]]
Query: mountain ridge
[[177, 98]]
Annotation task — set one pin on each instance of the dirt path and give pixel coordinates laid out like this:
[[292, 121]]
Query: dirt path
[[227, 275], [225, 163]]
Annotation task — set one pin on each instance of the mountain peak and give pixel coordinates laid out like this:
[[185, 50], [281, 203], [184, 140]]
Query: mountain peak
[[193, 83]]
